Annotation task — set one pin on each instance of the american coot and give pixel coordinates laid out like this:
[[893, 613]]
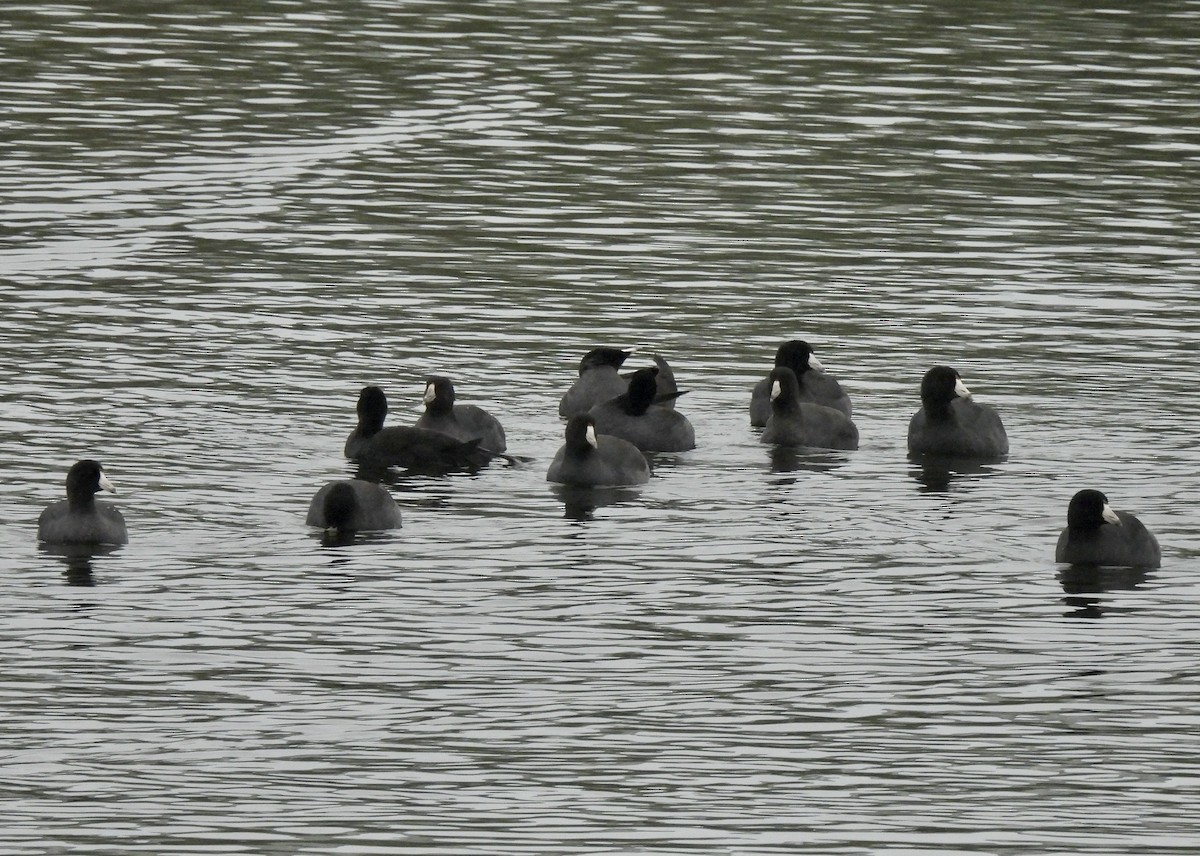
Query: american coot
[[353, 505], [1098, 535], [598, 380], [634, 416], [816, 385], [464, 421], [666, 388], [405, 446], [588, 459], [79, 519], [801, 423], [951, 424]]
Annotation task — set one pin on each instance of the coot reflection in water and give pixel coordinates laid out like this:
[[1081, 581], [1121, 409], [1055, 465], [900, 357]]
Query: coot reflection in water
[[936, 474], [78, 559], [1084, 585], [581, 503], [352, 538], [794, 459]]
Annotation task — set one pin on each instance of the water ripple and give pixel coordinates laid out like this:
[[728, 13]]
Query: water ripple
[[221, 223]]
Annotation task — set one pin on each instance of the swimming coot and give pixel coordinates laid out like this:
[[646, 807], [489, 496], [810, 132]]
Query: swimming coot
[[634, 416], [353, 505], [598, 381], [79, 519], [951, 424], [666, 389], [1096, 534], [589, 459], [816, 385], [406, 446], [794, 422], [464, 421]]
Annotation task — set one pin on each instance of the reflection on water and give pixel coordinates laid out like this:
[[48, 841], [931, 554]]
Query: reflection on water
[[221, 218], [1085, 586], [340, 538], [581, 503], [790, 459], [937, 474], [78, 559]]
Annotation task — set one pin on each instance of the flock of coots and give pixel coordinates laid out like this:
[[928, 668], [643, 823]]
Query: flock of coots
[[612, 421]]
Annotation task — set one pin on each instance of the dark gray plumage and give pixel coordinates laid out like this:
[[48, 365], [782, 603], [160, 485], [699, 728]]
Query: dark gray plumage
[[816, 385], [951, 424], [1096, 534], [800, 423], [79, 519], [464, 421], [598, 381], [634, 416], [406, 446], [353, 505], [666, 389], [588, 459]]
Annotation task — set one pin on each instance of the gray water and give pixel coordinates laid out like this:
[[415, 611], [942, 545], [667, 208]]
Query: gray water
[[218, 225]]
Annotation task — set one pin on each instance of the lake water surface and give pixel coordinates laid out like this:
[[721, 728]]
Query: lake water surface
[[218, 224]]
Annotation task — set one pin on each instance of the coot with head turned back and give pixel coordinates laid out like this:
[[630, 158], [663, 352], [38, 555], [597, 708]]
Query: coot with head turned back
[[634, 416]]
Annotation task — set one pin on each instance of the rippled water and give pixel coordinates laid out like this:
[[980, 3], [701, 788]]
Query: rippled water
[[219, 224]]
